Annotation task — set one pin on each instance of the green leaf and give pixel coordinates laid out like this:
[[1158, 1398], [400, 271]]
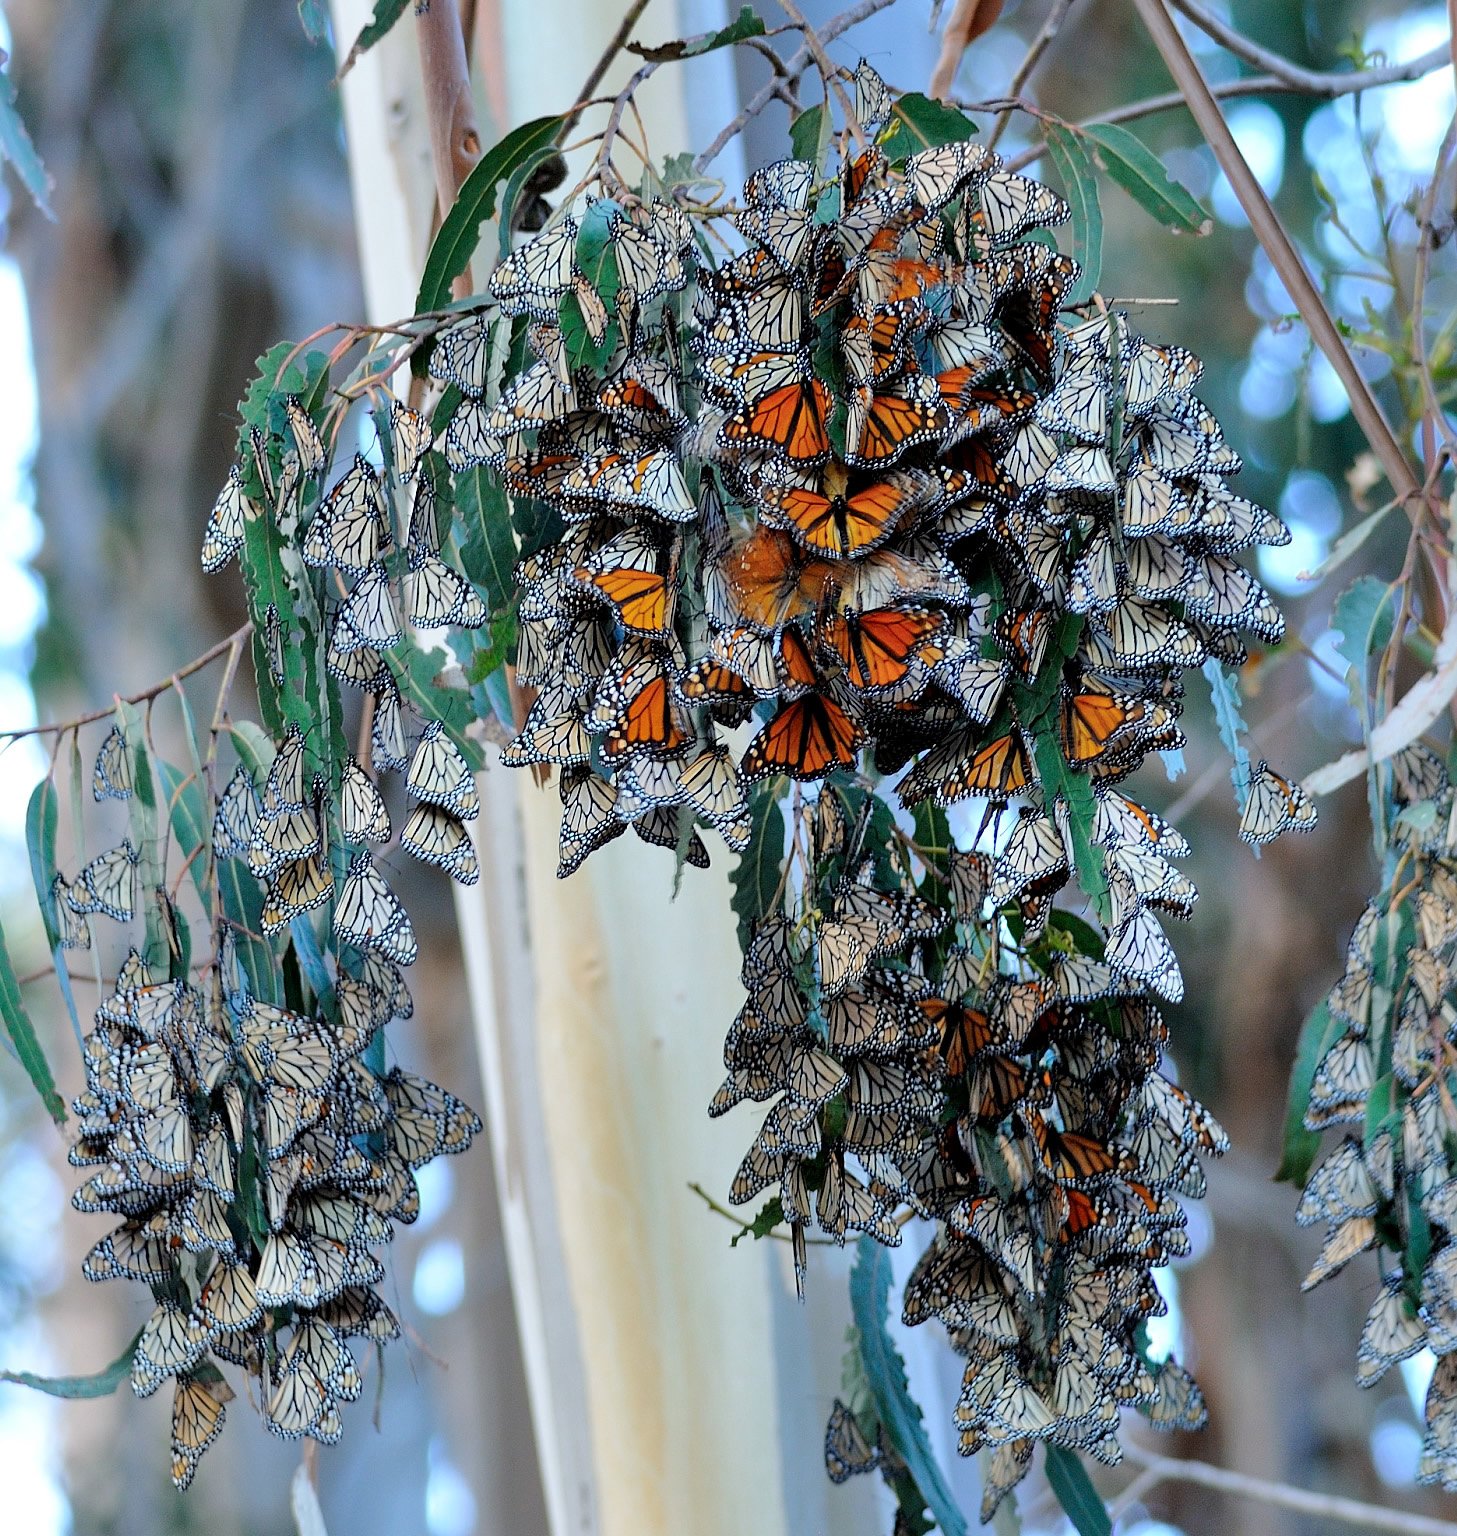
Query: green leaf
[[809, 136], [146, 832], [1224, 692], [1140, 172], [306, 376], [16, 147], [191, 826], [1080, 185], [460, 231], [1348, 543], [516, 184], [491, 655], [1300, 1146], [22, 1035], [747, 24], [102, 1384], [771, 1216], [314, 17], [900, 1418], [1383, 1110], [417, 673], [41, 815], [755, 878], [597, 263], [487, 544], [1075, 1492], [1363, 615], [917, 122], [386, 14]]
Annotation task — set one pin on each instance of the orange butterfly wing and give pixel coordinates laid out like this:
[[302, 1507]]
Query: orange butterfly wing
[[892, 423], [805, 739], [649, 723], [640, 597], [790, 418]]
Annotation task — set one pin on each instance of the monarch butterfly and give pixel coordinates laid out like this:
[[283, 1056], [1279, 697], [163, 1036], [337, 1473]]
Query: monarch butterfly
[[933, 177], [783, 232], [438, 596], [1223, 592], [1138, 634], [882, 427], [877, 344], [236, 816], [227, 523], [806, 739], [198, 1413], [957, 767], [974, 408], [367, 617], [369, 915], [533, 399], [1275, 805], [387, 746], [107, 884], [439, 774], [711, 785], [111, 776], [171, 1340], [351, 527], [1078, 405], [1097, 725], [1391, 1333], [782, 184], [847, 1451], [312, 455], [842, 523], [643, 397], [1342, 1245], [474, 436], [1083, 469], [438, 837], [642, 713], [279, 836], [549, 734], [878, 649], [764, 581], [295, 888], [790, 419], [1009, 205], [1151, 503], [533, 277], [589, 817]]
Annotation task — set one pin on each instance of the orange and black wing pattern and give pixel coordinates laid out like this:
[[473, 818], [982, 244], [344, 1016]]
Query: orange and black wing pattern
[[791, 418], [805, 740]]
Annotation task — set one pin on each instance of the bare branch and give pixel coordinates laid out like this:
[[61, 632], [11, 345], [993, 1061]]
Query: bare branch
[[968, 21], [600, 68], [1278, 247], [1368, 1517], [796, 65], [1039, 45], [455, 141], [826, 66]]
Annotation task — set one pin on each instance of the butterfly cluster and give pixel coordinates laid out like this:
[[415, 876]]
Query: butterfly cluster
[[256, 1161], [916, 1062], [1387, 1046]]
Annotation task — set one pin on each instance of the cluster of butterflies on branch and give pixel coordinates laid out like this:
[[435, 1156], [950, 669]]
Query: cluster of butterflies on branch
[[814, 543], [1385, 1043], [861, 520]]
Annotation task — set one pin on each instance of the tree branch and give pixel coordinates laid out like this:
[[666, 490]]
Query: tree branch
[[600, 68], [1369, 1517], [967, 23], [1039, 45], [455, 141], [1278, 247]]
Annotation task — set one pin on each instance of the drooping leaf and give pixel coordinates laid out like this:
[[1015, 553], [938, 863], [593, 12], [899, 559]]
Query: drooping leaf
[[191, 826], [418, 675], [917, 122], [1363, 615], [146, 832], [102, 1384], [41, 815], [1079, 180], [1224, 693], [386, 14], [23, 1037], [1075, 1492], [1140, 172], [808, 134], [747, 24], [597, 263], [900, 1418], [460, 230], [488, 551], [1300, 1146], [755, 878], [533, 172], [769, 1217], [16, 147]]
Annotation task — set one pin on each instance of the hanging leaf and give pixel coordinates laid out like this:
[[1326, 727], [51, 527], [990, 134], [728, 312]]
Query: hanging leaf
[[1079, 180], [488, 552], [755, 878], [1363, 615], [146, 834], [41, 815], [386, 14], [769, 1217], [1069, 1480], [809, 135], [747, 24], [23, 1036], [1140, 172], [900, 1418], [418, 675], [460, 230], [16, 147], [917, 122], [102, 1384], [1299, 1146], [1224, 692], [597, 264]]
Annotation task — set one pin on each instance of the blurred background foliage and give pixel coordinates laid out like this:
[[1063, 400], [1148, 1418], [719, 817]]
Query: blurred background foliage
[[203, 211]]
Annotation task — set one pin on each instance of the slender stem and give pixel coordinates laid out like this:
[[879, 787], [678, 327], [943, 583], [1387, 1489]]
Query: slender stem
[[1039, 45], [605, 170], [826, 66], [455, 141], [600, 68], [1278, 247], [195, 665], [1369, 1517], [745, 1230], [967, 22]]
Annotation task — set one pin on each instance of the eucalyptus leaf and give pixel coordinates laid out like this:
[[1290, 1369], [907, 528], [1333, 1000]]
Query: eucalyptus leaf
[[917, 122], [755, 879], [1140, 172], [1069, 1480], [23, 1037], [748, 23], [16, 146], [101, 1384], [1079, 180], [1299, 1146], [386, 14]]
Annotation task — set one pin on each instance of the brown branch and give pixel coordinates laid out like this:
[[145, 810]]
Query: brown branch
[[829, 75], [1038, 46], [1369, 1517], [967, 23], [455, 141], [1426, 244], [195, 665], [605, 171], [1278, 247], [796, 65], [600, 68]]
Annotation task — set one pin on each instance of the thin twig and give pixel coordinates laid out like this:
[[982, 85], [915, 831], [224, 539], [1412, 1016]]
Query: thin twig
[[795, 66], [605, 171], [455, 141], [1426, 243], [1370, 1517], [600, 68], [826, 66], [1038, 46], [195, 665], [1278, 247], [745, 1230], [967, 23]]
